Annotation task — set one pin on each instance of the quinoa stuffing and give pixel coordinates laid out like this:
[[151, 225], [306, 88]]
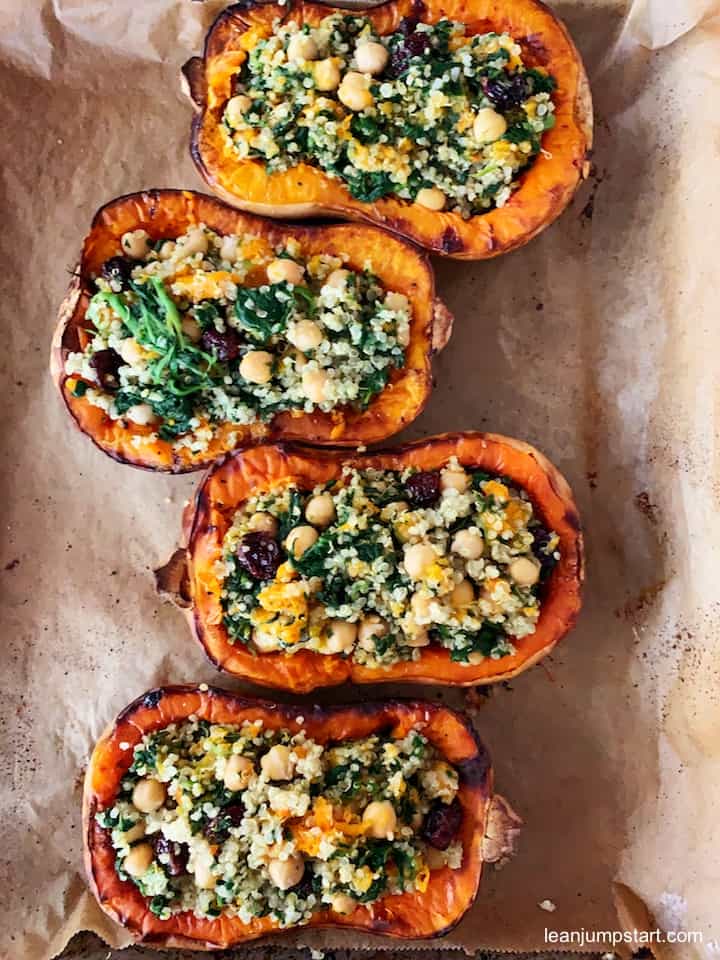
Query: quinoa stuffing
[[244, 821], [380, 564], [428, 113], [203, 329]]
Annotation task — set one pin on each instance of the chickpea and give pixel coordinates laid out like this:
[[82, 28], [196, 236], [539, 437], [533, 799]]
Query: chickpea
[[354, 92], [371, 57], [302, 47], [277, 764], [342, 903], [256, 366], [305, 335], [524, 571], [379, 820], [396, 301], [263, 523], [131, 351], [238, 771], [194, 241], [462, 594], [135, 244], [287, 873], [229, 248], [341, 636], [418, 638], [284, 270], [431, 198], [370, 627], [337, 279], [204, 877], [315, 384], [264, 641], [148, 795], [454, 478], [191, 328], [320, 510], [489, 125], [420, 605], [136, 863], [327, 74], [299, 540], [393, 510], [236, 108], [136, 832], [418, 558], [468, 545], [142, 414]]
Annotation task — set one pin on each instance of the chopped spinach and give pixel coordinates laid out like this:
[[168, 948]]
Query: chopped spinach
[[291, 517], [264, 311], [371, 385], [366, 128]]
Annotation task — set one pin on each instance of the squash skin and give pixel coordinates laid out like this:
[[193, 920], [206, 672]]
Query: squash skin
[[303, 191], [231, 481], [162, 212], [433, 913]]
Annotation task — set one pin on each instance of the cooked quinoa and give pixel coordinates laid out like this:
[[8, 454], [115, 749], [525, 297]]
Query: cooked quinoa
[[379, 564], [427, 113], [202, 329], [245, 821]]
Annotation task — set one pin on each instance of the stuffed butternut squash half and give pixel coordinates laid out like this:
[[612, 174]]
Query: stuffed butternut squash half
[[452, 560], [191, 329], [465, 128], [210, 820]]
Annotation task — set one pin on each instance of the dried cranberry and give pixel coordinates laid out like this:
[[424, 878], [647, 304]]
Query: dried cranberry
[[225, 346], [106, 364], [117, 271], [547, 561], [417, 43], [304, 887], [506, 92], [413, 44], [398, 63], [177, 854], [423, 488], [442, 823], [259, 554], [218, 829]]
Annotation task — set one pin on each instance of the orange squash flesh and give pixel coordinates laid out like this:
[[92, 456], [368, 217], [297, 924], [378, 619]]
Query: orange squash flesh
[[304, 190], [421, 914], [168, 213], [231, 482]]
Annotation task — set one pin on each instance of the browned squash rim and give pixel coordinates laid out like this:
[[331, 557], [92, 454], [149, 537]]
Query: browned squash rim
[[229, 482], [400, 266], [432, 913], [546, 188]]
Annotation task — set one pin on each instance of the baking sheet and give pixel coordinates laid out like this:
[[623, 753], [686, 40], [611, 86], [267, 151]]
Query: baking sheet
[[598, 342]]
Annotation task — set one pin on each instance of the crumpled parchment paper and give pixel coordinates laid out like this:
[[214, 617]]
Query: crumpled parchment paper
[[598, 342]]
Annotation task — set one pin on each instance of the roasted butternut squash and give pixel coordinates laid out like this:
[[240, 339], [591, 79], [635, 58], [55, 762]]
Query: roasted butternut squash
[[252, 178], [457, 559], [166, 324], [131, 852]]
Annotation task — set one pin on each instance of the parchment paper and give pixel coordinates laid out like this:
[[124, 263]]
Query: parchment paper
[[598, 342]]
